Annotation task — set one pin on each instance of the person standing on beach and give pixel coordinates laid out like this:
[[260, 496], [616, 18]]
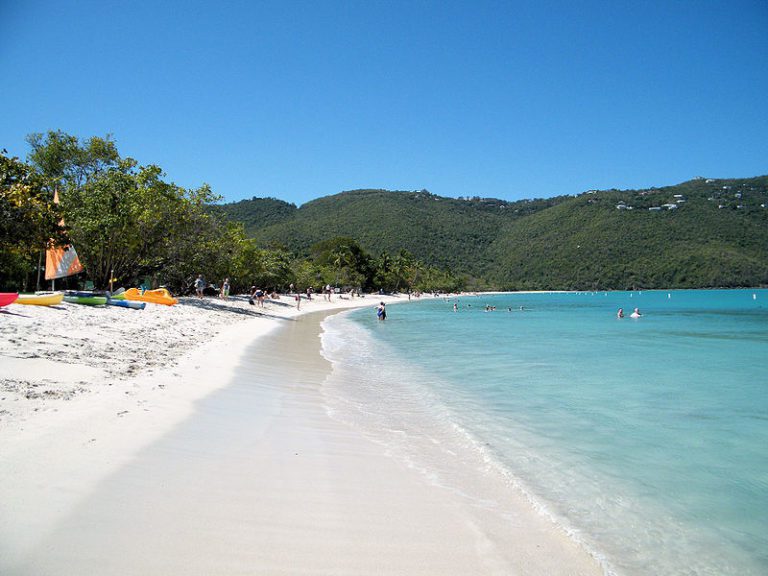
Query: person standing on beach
[[199, 285], [224, 289]]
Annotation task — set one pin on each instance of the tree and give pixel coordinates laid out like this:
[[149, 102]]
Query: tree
[[345, 261], [121, 221], [306, 274], [401, 268], [29, 220], [66, 161]]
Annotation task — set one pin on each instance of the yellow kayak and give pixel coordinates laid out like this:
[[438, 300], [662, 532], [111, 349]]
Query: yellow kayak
[[40, 299], [159, 296]]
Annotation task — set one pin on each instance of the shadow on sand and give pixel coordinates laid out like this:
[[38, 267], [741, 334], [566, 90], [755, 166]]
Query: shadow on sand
[[222, 306]]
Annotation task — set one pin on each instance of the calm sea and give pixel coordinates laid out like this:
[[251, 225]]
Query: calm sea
[[645, 439]]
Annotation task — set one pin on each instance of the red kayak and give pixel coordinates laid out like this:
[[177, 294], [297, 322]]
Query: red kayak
[[8, 297]]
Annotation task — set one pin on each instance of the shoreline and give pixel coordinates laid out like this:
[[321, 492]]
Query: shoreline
[[64, 466], [447, 456]]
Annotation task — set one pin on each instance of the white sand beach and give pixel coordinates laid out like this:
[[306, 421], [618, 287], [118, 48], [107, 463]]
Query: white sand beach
[[131, 443]]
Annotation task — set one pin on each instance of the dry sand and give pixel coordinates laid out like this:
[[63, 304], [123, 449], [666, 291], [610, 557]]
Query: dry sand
[[214, 454]]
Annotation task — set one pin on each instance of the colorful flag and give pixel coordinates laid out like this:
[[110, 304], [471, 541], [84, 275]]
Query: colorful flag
[[61, 261]]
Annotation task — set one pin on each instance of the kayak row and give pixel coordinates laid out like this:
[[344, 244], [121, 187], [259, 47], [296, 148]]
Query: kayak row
[[131, 298]]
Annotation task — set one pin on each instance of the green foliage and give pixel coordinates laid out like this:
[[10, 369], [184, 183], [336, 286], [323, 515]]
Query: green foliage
[[257, 213], [588, 243], [65, 160], [444, 232], [29, 220], [344, 260], [126, 220], [717, 236]]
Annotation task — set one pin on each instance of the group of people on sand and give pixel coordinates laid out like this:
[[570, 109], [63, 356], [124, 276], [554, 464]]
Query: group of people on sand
[[257, 296], [201, 285], [635, 313]]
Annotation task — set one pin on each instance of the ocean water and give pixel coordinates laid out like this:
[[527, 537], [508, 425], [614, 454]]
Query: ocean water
[[646, 440]]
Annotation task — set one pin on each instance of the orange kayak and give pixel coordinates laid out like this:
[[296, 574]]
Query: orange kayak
[[159, 296]]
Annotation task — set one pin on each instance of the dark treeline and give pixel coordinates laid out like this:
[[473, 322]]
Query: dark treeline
[[129, 224]]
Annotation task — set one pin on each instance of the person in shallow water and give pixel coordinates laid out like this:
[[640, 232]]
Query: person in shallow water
[[635, 313], [620, 313], [381, 311]]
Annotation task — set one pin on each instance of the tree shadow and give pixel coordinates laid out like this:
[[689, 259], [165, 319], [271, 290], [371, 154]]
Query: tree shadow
[[10, 313], [222, 306]]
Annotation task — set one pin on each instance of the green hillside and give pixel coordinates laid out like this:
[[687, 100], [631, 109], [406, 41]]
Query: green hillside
[[712, 238], [715, 235], [257, 213], [444, 232]]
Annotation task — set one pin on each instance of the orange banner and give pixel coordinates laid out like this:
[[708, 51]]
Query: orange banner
[[62, 261]]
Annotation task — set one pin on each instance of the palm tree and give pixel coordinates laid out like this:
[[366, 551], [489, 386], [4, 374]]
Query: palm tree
[[341, 257], [400, 267]]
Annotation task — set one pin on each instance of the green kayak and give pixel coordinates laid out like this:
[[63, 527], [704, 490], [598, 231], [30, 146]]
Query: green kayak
[[86, 300]]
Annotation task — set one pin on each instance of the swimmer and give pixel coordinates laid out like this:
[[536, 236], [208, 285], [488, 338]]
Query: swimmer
[[620, 313], [635, 313]]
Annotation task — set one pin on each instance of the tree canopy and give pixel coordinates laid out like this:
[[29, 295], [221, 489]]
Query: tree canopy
[[128, 223]]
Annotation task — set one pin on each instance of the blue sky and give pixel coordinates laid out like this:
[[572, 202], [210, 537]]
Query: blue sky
[[299, 100]]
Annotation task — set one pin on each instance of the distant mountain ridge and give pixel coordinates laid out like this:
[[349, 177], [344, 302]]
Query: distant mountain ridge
[[700, 233]]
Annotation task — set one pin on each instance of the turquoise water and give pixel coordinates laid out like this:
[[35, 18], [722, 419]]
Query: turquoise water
[[645, 439]]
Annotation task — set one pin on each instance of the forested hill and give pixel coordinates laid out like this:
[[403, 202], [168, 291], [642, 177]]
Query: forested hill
[[701, 233], [445, 232], [258, 213]]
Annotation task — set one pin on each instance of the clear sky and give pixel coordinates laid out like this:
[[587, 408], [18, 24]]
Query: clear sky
[[302, 99]]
